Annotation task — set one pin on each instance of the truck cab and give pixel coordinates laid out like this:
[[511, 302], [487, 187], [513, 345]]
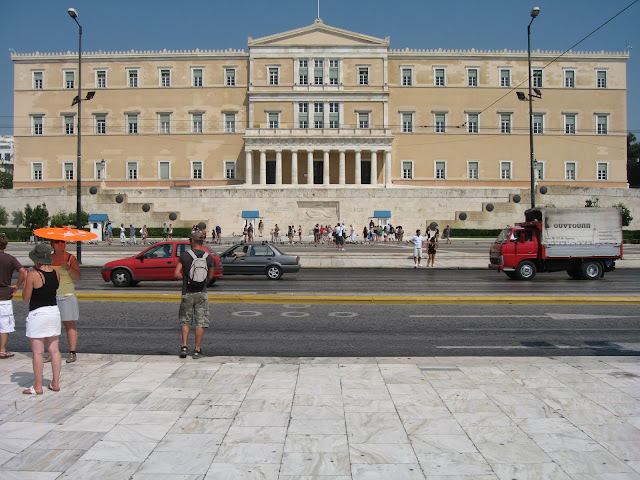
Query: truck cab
[[514, 245]]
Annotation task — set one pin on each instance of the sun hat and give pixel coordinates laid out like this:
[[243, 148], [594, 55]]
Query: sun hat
[[41, 254]]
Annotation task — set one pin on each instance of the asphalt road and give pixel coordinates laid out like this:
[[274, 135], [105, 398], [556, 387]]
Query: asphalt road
[[358, 330]]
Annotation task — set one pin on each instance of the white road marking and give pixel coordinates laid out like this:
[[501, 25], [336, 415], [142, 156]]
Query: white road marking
[[295, 314], [343, 314], [246, 313]]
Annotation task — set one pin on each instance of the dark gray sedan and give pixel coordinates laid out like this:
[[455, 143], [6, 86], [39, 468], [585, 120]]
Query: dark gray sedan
[[258, 259]]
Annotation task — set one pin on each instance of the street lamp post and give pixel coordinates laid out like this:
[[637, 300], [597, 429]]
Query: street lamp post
[[534, 14]]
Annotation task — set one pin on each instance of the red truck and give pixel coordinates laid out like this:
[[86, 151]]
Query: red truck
[[585, 242]]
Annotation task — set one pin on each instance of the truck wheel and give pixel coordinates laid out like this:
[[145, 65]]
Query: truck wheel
[[526, 270], [575, 273], [591, 270], [511, 275]]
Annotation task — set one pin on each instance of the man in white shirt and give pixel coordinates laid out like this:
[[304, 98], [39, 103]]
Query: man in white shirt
[[417, 241]]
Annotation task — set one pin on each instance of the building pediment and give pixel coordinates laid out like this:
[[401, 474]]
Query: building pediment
[[318, 35]]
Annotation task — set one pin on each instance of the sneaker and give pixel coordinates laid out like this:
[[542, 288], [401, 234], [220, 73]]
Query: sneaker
[[183, 351], [197, 354], [71, 358], [47, 359], [421, 265]]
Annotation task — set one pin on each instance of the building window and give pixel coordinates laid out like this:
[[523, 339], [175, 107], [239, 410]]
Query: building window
[[601, 79], [440, 119], [196, 74], [230, 77], [132, 170], [407, 74], [363, 75], [38, 83], [133, 78], [68, 170], [69, 79], [569, 170], [165, 123], [101, 124], [230, 122], [273, 119], [165, 77], [505, 170], [538, 120], [273, 76], [318, 115], [196, 123], [230, 170], [439, 74], [407, 122], [602, 124], [441, 170], [196, 170], [333, 72], [505, 77], [363, 119], [472, 123], [536, 78], [100, 170], [69, 121], [132, 123], [603, 169], [36, 171], [407, 170], [334, 115], [303, 72], [164, 170], [101, 79], [303, 115], [318, 72], [539, 170], [36, 125], [472, 77], [570, 124], [505, 123], [472, 170], [569, 78]]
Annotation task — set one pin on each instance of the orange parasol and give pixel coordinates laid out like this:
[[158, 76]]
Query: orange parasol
[[66, 233]]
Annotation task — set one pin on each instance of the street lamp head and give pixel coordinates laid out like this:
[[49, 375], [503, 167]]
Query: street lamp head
[[535, 12], [72, 13]]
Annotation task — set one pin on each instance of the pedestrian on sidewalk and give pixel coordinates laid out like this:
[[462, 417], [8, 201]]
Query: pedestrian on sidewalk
[[132, 235], [432, 246], [68, 270], [300, 233], [109, 233], [43, 320], [144, 233], [8, 265], [194, 304], [123, 239], [417, 241], [446, 234], [260, 227]]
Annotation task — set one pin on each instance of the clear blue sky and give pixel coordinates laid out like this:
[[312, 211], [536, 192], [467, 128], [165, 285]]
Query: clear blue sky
[[44, 26]]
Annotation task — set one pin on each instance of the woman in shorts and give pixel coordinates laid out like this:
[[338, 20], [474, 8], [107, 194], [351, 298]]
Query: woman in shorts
[[432, 246], [43, 321], [69, 270]]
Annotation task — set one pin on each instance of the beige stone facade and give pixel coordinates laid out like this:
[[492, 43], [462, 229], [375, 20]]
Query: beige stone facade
[[320, 107]]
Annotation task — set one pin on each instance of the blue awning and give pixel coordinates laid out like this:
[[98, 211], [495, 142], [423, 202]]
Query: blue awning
[[382, 214], [98, 217], [250, 214]]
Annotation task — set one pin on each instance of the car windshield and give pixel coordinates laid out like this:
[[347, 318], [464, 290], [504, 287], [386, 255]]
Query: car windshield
[[504, 236], [159, 251]]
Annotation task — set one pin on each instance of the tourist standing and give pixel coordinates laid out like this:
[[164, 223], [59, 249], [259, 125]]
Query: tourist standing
[[8, 265], [123, 238], [432, 246], [132, 235], [417, 241]]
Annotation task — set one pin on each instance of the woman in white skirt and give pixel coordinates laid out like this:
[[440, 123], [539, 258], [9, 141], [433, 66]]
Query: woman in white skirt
[[43, 321]]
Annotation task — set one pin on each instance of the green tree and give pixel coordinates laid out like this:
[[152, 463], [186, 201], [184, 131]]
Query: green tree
[[4, 216], [60, 219], [36, 216], [633, 161], [6, 180], [626, 214], [17, 218], [84, 217]]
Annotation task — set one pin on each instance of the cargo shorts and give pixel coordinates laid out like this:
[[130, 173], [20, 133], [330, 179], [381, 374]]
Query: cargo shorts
[[194, 310]]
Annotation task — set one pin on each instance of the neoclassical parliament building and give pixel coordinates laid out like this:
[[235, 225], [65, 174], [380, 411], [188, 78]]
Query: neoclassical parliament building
[[318, 124]]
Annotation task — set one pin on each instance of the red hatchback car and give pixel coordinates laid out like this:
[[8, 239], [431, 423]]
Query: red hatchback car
[[157, 262]]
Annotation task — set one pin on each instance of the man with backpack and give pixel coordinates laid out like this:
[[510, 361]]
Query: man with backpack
[[195, 268]]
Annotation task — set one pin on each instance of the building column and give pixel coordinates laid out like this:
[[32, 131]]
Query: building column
[[294, 167], [374, 167], [325, 168], [358, 167], [248, 168], [341, 166], [309, 167], [387, 168], [263, 167], [278, 167]]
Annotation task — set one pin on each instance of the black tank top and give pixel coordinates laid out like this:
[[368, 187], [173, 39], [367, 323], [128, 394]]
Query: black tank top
[[45, 296]]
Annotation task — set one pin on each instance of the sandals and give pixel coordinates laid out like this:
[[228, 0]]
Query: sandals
[[6, 355], [50, 387], [183, 351], [31, 391]]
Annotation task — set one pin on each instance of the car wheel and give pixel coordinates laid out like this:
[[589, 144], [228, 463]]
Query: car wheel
[[526, 270], [274, 272], [591, 270], [121, 278], [511, 275]]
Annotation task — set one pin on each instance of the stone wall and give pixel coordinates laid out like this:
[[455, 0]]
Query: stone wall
[[410, 207]]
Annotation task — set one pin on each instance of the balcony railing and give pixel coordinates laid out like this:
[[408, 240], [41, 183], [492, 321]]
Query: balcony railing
[[318, 132]]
